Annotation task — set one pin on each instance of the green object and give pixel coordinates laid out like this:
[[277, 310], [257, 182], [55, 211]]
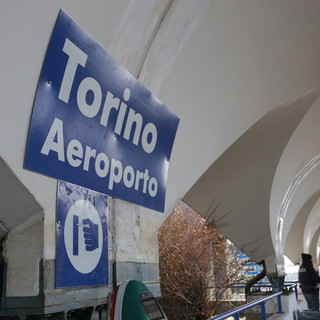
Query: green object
[[134, 301], [132, 307]]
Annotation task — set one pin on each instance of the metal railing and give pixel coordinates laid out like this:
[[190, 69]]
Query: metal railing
[[235, 313]]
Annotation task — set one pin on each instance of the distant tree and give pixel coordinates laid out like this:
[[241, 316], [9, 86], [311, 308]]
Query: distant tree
[[196, 265]]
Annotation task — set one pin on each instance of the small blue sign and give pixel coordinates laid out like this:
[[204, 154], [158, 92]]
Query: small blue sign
[[250, 268], [82, 241], [95, 125]]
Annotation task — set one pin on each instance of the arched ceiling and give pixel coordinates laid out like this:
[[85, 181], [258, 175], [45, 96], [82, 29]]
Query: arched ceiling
[[17, 203], [293, 245], [296, 189], [311, 232], [234, 193], [242, 75]]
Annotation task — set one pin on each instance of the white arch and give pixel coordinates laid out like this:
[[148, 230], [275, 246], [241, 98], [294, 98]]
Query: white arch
[[311, 227], [295, 180]]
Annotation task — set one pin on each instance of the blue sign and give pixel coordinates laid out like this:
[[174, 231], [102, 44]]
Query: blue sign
[[82, 240], [95, 125], [250, 268]]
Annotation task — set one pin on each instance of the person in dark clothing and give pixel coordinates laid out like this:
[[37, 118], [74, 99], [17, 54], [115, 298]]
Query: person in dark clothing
[[309, 282]]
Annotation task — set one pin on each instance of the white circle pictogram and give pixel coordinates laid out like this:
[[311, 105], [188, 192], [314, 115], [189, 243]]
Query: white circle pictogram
[[83, 236]]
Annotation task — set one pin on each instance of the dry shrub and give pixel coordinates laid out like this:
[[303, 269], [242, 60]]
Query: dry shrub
[[193, 257]]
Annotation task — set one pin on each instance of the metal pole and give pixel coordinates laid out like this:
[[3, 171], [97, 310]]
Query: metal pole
[[263, 310], [279, 304], [236, 316]]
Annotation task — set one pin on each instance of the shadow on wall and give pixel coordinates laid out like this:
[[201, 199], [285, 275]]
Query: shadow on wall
[[21, 232]]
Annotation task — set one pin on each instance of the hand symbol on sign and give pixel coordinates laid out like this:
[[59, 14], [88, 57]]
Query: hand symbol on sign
[[91, 234]]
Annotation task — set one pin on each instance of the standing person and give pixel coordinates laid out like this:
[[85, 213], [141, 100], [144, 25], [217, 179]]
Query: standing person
[[310, 281]]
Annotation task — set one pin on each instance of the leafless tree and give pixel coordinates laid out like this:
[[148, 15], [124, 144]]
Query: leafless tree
[[196, 265]]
